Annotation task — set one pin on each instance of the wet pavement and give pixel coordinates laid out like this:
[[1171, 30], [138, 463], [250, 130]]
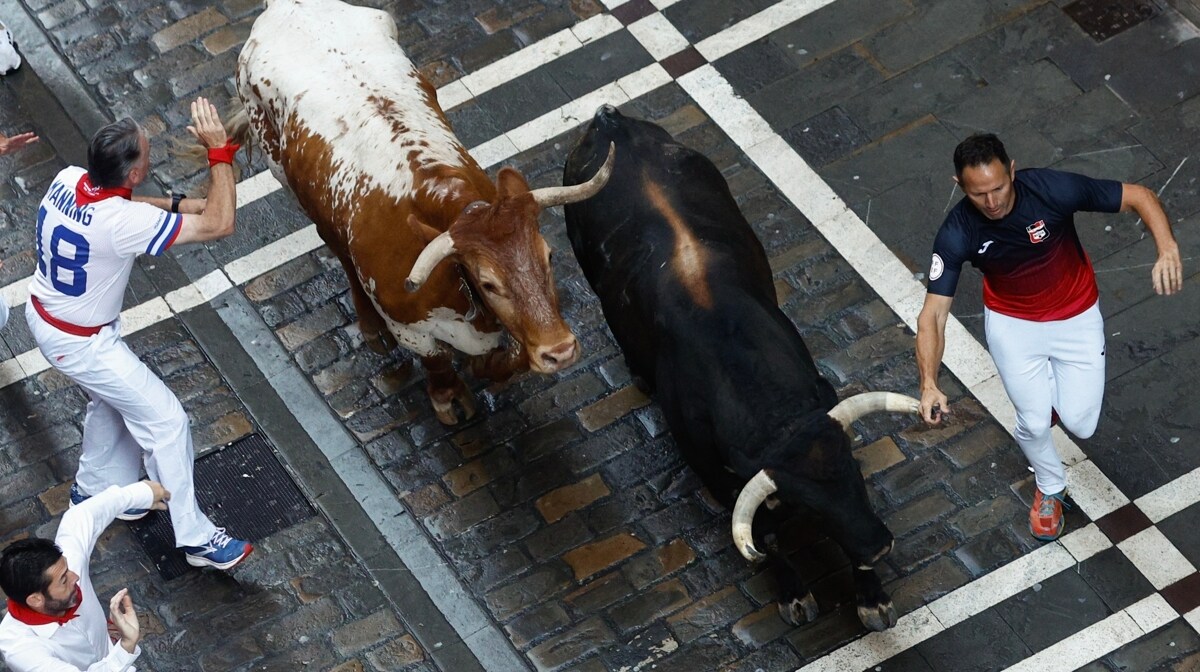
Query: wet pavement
[[559, 529]]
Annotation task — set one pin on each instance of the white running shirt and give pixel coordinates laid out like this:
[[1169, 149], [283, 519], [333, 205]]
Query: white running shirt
[[82, 644], [85, 254]]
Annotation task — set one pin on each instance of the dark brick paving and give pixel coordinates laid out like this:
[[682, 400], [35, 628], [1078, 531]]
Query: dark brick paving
[[299, 597], [564, 506]]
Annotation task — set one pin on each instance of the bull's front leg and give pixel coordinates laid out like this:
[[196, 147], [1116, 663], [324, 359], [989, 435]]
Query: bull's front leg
[[875, 608], [499, 365], [446, 387], [797, 605], [374, 329]]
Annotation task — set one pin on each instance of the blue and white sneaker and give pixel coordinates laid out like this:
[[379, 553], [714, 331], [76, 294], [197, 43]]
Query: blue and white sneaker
[[222, 551], [77, 498]]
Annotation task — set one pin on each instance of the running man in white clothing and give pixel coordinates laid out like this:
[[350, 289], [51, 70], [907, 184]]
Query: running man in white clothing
[[1041, 304], [55, 621], [90, 228]]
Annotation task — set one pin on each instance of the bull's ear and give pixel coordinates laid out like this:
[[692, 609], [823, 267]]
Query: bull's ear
[[510, 183], [424, 231]]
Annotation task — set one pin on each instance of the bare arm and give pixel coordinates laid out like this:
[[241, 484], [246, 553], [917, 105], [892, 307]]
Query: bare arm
[[188, 206], [931, 344], [1167, 274], [217, 219]]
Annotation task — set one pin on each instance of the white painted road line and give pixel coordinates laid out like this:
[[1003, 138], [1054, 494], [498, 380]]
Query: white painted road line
[[1102, 638], [526, 60], [963, 603], [1156, 557], [757, 27], [874, 648], [1171, 498], [563, 119]]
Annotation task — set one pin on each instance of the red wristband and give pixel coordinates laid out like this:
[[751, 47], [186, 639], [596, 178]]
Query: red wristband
[[222, 154]]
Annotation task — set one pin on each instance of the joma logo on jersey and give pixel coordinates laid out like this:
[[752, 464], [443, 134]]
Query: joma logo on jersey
[[1037, 231]]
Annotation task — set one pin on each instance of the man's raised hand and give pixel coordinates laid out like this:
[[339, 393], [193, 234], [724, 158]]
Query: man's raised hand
[[206, 124], [124, 619]]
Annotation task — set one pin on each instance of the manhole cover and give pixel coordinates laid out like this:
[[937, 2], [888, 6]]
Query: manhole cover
[[242, 487], [1104, 18]]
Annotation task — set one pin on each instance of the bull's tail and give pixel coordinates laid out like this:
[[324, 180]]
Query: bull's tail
[[237, 127]]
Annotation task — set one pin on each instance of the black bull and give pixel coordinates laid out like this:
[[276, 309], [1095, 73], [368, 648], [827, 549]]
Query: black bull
[[687, 291]]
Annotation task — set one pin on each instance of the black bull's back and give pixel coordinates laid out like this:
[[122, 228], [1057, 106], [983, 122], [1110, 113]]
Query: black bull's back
[[687, 291]]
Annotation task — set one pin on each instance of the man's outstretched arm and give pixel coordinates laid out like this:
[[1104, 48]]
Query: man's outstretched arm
[[931, 345], [1167, 274]]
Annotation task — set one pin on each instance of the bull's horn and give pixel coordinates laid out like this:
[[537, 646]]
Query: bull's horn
[[751, 497], [548, 197], [859, 405], [438, 249]]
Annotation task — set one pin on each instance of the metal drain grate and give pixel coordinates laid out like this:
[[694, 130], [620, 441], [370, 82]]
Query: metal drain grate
[[1104, 18], [242, 487]]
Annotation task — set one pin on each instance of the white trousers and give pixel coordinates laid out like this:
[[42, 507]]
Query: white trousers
[[132, 416], [1055, 365]]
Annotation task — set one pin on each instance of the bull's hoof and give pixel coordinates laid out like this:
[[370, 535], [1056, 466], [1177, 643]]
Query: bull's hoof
[[383, 342], [878, 617], [799, 610], [448, 412]]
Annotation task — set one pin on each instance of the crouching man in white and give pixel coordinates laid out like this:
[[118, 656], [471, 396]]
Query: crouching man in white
[[55, 621]]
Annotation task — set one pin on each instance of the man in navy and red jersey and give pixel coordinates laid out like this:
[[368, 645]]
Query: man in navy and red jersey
[[1041, 312], [90, 227]]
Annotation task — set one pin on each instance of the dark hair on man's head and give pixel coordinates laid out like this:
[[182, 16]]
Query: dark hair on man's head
[[979, 150], [113, 152], [23, 567]]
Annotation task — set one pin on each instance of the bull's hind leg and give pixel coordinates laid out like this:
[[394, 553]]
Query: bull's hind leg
[[446, 387]]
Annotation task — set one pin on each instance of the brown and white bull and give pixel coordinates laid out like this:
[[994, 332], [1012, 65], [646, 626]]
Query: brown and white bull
[[353, 129]]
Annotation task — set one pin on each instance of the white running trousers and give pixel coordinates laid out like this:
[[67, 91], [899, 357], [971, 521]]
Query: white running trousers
[[132, 414], [1055, 365]]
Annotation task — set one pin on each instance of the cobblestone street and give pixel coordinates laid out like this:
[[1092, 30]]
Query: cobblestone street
[[559, 529]]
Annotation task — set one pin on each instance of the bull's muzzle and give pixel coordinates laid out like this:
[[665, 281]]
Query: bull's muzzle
[[550, 359]]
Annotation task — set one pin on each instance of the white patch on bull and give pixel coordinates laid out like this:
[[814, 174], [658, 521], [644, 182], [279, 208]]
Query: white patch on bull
[[443, 190], [361, 94], [446, 326], [936, 267]]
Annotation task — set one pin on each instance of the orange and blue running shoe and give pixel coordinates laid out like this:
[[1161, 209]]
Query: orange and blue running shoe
[[1046, 515]]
